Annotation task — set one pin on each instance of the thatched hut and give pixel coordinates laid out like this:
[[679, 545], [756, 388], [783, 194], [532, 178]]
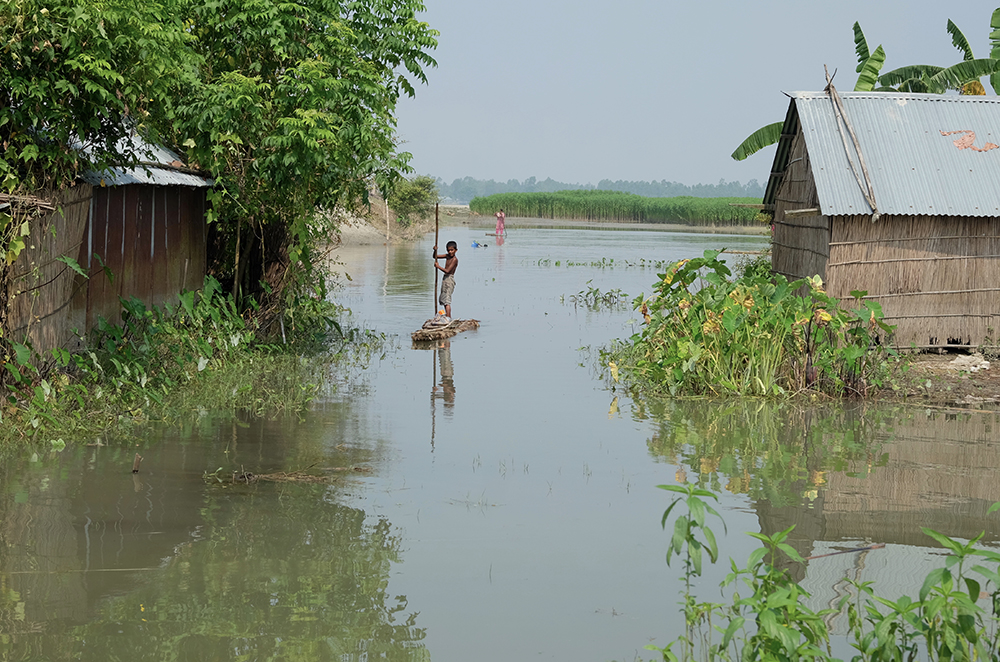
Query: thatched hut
[[896, 195], [136, 231]]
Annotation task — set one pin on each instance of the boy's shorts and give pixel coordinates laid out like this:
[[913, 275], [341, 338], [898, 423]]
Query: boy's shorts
[[447, 287]]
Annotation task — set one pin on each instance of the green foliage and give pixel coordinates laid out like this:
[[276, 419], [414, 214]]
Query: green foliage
[[294, 112], [78, 73], [618, 206], [767, 618], [938, 80], [869, 70], [705, 333], [82, 72], [995, 48], [959, 41], [127, 370], [413, 199], [758, 140]]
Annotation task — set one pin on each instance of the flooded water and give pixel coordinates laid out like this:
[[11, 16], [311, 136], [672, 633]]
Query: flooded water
[[491, 498]]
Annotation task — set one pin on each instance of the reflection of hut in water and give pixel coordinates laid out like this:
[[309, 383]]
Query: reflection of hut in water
[[940, 471]]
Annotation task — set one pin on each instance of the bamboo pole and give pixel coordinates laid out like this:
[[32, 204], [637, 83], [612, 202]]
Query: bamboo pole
[[436, 205]]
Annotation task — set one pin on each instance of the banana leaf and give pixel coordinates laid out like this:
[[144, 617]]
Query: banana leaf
[[995, 48], [758, 140], [960, 42], [860, 46], [897, 77], [957, 75], [869, 71]]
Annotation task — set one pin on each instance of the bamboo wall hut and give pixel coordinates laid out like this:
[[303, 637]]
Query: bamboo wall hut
[[895, 194], [136, 231]]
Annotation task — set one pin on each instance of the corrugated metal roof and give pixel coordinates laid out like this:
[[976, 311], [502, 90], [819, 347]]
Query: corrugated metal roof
[[149, 172], [913, 167]]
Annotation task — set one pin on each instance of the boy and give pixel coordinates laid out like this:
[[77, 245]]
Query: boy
[[448, 282]]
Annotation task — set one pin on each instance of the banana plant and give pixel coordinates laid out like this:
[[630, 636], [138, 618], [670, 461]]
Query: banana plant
[[963, 76], [869, 65]]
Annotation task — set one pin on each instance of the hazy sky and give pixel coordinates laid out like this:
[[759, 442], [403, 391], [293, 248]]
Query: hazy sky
[[579, 90]]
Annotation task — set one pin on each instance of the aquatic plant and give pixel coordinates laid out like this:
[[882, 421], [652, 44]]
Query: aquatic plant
[[766, 617], [707, 334], [594, 299]]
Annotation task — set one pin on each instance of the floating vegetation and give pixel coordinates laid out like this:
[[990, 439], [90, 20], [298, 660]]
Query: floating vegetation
[[307, 475], [749, 259]]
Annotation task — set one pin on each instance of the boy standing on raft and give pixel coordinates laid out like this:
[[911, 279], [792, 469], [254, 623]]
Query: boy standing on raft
[[501, 218], [448, 282]]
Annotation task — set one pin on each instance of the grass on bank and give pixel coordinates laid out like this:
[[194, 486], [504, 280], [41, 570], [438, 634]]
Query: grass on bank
[[161, 363], [621, 207], [706, 333]]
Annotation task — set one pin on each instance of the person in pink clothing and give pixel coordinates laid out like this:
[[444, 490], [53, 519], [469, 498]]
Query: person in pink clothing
[[501, 217]]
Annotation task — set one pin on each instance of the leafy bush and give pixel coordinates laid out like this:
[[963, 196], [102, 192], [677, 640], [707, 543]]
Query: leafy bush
[[707, 334], [413, 199]]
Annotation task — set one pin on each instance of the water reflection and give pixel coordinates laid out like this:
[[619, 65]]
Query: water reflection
[[445, 389], [99, 564], [845, 477]]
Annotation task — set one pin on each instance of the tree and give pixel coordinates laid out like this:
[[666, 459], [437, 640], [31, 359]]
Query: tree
[[81, 73], [294, 112], [413, 199]]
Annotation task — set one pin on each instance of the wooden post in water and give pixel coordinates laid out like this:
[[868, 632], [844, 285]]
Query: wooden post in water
[[435, 257]]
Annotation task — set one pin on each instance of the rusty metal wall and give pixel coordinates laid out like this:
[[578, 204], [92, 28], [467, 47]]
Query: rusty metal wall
[[152, 241], [42, 286]]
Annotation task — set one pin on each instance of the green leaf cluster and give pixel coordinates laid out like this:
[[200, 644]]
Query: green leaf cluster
[[293, 111], [756, 335]]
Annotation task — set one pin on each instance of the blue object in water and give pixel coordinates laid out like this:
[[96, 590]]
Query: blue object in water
[[475, 244]]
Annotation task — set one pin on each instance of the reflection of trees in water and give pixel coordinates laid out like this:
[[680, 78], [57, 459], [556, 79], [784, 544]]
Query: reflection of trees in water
[[300, 578], [221, 572], [767, 450]]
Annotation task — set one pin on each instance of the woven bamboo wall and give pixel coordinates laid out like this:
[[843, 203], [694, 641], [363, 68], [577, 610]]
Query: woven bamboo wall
[[41, 285], [937, 277], [800, 246]]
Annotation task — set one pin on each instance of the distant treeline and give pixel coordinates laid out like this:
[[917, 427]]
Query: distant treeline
[[618, 206], [462, 191]]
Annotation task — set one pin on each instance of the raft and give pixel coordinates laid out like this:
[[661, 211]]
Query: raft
[[442, 332]]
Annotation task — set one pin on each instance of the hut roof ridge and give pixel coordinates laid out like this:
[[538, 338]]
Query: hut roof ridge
[[927, 154]]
